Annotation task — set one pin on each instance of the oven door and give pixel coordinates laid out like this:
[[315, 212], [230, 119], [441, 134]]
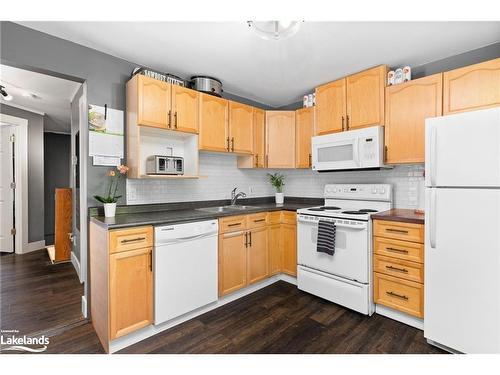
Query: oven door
[[351, 258], [328, 154]]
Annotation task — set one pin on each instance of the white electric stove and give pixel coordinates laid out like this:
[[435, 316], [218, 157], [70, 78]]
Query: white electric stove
[[345, 277]]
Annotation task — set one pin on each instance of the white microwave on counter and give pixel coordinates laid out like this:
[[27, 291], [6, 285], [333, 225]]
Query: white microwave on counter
[[349, 150]]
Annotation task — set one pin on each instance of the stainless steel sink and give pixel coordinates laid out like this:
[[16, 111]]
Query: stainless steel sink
[[222, 209]]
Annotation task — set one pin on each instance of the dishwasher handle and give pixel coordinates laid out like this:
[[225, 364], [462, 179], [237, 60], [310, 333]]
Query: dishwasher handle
[[186, 239]]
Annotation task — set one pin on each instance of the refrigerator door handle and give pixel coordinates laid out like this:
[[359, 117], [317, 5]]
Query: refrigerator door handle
[[432, 159], [432, 215]]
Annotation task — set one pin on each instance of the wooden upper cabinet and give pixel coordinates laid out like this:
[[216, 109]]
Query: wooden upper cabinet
[[130, 291], [232, 262], [213, 123], [407, 107], [280, 139], [184, 109], [304, 131], [257, 255], [472, 87], [153, 100], [331, 107], [240, 128], [365, 98], [259, 134]]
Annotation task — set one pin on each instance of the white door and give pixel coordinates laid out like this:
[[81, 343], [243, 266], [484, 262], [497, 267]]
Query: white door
[[462, 269], [6, 192], [463, 149]]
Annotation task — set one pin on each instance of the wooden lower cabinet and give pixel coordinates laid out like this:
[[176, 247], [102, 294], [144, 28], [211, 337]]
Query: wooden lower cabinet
[[289, 243], [232, 262], [257, 255], [275, 250], [130, 291], [399, 294]]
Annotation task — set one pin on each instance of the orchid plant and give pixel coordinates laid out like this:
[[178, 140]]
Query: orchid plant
[[114, 176]]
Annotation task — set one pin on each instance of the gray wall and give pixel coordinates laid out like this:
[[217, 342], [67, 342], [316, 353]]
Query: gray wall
[[35, 170]]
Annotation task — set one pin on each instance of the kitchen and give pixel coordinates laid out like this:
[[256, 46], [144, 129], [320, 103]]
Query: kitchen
[[351, 204]]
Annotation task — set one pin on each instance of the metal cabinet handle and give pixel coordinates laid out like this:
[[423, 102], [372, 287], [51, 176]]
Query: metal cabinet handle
[[259, 220], [392, 268], [343, 123], [250, 239], [392, 294], [151, 261], [310, 160], [257, 160], [175, 120], [246, 239], [232, 144], [133, 240], [396, 230], [397, 250], [169, 119], [228, 148], [347, 122], [233, 225]]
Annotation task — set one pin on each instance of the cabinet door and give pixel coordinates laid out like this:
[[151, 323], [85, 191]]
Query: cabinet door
[[130, 291], [289, 244], [241, 128], [365, 98], [472, 87], [304, 131], [213, 123], [232, 262], [185, 109], [275, 249], [257, 255], [259, 120], [331, 107], [153, 102], [280, 139], [407, 107]]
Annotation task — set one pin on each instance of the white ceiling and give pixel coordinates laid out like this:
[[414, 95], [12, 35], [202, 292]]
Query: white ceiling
[[275, 72], [53, 95]]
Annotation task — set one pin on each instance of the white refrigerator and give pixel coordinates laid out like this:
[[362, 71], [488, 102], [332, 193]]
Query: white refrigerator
[[462, 231]]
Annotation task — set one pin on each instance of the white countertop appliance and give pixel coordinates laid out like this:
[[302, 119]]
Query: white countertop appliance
[[349, 150], [344, 277], [185, 268], [462, 231]]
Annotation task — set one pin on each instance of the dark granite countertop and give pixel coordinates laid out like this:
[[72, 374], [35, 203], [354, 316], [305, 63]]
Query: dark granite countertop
[[176, 215], [401, 215]]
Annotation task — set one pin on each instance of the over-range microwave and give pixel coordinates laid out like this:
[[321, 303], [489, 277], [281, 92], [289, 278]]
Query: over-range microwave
[[349, 150]]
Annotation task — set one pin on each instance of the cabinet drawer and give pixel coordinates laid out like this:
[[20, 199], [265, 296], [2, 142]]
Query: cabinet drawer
[[399, 231], [130, 239], [232, 223], [404, 250], [274, 217], [402, 295], [257, 220], [399, 268], [289, 217]]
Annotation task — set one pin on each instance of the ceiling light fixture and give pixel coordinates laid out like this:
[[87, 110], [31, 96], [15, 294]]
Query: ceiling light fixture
[[274, 30], [4, 93]]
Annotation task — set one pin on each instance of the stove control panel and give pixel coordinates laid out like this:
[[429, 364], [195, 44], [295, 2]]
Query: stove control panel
[[378, 192]]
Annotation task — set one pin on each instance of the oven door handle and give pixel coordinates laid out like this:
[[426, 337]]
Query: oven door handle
[[340, 225]]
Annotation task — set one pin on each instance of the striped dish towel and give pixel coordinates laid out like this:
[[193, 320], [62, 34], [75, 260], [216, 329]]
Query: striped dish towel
[[326, 237]]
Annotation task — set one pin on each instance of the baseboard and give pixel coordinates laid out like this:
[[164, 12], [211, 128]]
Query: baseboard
[[152, 330], [84, 307], [289, 279], [400, 316], [33, 246], [76, 264]]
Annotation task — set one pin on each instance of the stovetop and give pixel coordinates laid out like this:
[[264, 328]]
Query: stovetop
[[336, 211]]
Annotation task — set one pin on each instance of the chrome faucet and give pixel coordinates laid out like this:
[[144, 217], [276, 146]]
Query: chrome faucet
[[235, 196]]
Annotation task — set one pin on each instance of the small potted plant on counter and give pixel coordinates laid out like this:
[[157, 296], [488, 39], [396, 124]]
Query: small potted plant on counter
[[278, 181], [110, 200]]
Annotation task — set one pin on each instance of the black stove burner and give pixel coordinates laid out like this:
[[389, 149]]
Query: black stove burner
[[354, 212], [367, 210], [325, 208]]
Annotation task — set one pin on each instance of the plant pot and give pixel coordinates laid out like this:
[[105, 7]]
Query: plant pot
[[280, 198], [109, 209]]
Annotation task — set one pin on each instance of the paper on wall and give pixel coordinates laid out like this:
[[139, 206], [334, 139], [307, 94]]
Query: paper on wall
[[105, 131]]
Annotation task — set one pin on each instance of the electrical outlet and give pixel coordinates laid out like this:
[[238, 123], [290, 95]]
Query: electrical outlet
[[250, 190]]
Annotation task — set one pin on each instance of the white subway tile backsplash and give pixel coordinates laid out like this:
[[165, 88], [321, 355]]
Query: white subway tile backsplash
[[221, 175]]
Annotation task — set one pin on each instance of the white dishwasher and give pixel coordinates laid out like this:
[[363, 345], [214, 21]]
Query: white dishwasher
[[185, 268]]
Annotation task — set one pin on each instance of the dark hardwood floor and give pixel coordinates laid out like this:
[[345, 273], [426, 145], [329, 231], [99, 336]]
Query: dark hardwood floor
[[277, 319], [36, 296]]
